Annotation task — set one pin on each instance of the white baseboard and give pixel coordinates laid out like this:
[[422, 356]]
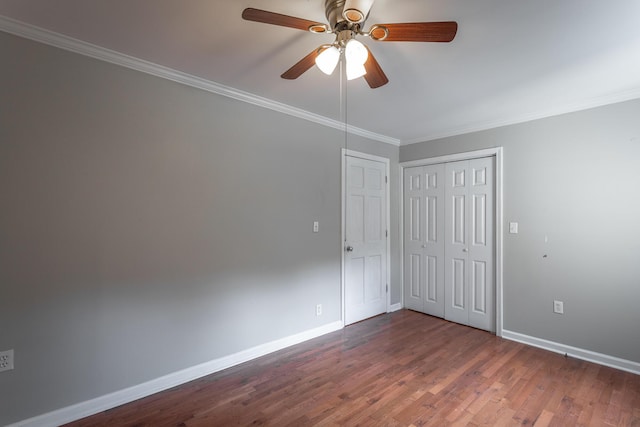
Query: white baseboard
[[395, 307], [102, 403], [578, 353]]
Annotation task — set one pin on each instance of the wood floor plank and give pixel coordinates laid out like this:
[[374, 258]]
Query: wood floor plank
[[400, 369], [544, 419]]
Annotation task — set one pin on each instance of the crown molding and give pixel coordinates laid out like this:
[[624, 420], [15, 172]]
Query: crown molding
[[31, 32], [586, 104]]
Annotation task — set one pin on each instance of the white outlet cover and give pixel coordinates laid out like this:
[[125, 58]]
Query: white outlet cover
[[513, 227], [6, 360]]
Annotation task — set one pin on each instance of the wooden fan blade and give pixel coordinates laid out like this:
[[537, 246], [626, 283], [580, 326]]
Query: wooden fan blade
[[416, 32], [301, 66], [375, 77], [257, 15]]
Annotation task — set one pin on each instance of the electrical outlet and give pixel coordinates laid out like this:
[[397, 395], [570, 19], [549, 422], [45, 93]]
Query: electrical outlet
[[316, 226], [319, 310], [558, 307], [6, 360]]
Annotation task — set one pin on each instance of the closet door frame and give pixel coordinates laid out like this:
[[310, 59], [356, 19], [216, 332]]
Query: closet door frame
[[498, 231]]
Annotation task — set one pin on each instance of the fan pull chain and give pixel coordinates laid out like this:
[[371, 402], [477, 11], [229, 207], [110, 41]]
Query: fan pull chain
[[343, 117], [343, 101]]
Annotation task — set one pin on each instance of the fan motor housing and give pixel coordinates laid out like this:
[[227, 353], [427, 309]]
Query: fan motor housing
[[333, 12]]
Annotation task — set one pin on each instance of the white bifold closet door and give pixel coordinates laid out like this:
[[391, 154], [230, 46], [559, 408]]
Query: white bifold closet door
[[469, 249], [424, 239], [449, 241]]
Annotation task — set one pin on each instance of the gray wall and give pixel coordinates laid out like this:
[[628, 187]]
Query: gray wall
[[147, 227], [574, 178]]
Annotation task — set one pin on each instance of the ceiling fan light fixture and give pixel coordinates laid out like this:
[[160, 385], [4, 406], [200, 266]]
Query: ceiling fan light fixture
[[328, 59], [355, 70], [355, 52], [356, 11]]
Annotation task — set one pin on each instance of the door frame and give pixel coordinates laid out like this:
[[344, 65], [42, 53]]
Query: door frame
[[498, 231], [343, 209]]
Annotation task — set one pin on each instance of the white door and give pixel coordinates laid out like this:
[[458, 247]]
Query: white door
[[365, 246], [469, 246], [424, 239]]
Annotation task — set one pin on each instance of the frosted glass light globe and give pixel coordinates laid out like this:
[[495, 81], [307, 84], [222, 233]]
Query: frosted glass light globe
[[328, 59]]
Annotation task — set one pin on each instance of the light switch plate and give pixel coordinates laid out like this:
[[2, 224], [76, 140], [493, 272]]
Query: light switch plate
[[316, 226], [513, 227], [558, 307]]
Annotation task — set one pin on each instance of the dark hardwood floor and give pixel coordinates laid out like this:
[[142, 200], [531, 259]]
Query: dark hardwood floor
[[399, 369]]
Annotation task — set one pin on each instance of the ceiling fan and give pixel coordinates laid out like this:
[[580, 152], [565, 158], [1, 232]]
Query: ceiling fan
[[346, 20]]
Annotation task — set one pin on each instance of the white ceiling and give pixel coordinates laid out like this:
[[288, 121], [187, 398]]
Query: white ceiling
[[511, 61]]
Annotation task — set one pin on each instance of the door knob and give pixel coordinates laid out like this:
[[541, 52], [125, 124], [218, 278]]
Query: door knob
[[349, 248], [424, 246], [465, 250]]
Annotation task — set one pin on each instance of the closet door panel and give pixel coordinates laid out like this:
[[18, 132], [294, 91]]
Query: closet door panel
[[424, 239], [456, 245], [481, 244], [433, 245], [414, 234]]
